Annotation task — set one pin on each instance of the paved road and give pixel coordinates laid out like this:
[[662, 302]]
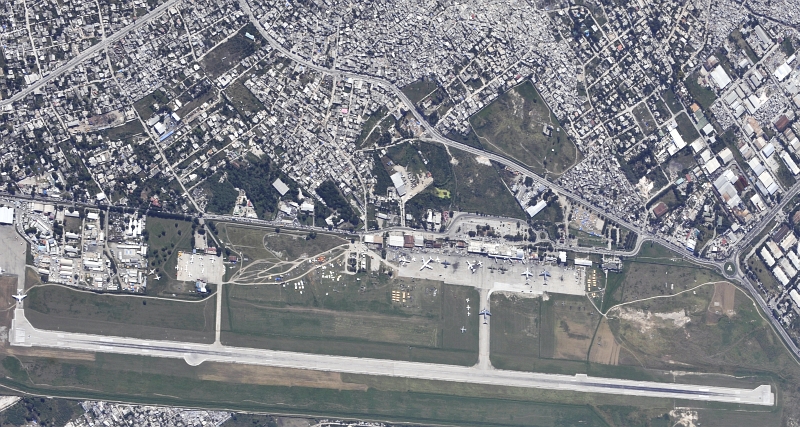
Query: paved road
[[88, 53], [23, 334]]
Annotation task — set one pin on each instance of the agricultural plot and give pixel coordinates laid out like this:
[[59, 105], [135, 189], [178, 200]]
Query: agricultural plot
[[520, 125], [58, 308], [364, 315]]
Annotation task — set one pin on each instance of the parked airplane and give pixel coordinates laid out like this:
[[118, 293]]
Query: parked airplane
[[484, 313], [19, 296], [157, 277], [463, 329], [527, 273], [471, 266], [544, 274], [438, 260], [152, 272], [426, 264], [445, 263], [403, 261]]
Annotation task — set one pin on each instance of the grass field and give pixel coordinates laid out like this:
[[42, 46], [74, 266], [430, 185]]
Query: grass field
[[341, 314], [242, 99], [165, 238], [513, 125], [701, 94], [419, 89], [123, 132], [686, 128], [671, 100], [646, 275], [55, 307], [172, 382], [226, 55]]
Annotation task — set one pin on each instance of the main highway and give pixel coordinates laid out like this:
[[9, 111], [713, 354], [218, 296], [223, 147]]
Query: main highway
[[24, 334]]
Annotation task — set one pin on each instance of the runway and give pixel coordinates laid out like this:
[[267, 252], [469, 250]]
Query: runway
[[23, 334]]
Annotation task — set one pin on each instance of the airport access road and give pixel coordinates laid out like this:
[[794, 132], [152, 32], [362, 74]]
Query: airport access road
[[24, 334]]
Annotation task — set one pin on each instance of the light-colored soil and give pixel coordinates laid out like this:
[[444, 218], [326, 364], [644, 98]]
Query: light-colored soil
[[605, 349], [722, 302], [265, 375]]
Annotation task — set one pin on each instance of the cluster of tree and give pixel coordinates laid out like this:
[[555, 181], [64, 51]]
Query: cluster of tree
[[255, 177], [334, 199]]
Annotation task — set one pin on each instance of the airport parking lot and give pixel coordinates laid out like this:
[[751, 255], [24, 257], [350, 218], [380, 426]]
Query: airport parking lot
[[193, 267], [13, 259], [499, 275]]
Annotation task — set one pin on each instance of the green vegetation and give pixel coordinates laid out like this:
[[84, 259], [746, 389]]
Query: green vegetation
[[470, 186], [172, 382], [228, 54], [255, 176], [123, 132], [44, 412], [701, 94], [513, 125], [671, 100], [370, 124], [645, 276], [787, 46], [334, 200], [784, 176], [145, 105], [686, 128], [419, 89], [737, 38], [350, 315], [242, 99], [54, 307]]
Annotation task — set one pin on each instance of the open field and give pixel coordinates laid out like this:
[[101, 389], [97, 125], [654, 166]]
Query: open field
[[226, 55], [513, 125], [686, 128], [605, 348], [242, 99], [655, 271], [644, 119], [123, 132], [172, 382], [419, 89], [336, 313], [165, 238], [55, 307], [532, 335], [480, 189]]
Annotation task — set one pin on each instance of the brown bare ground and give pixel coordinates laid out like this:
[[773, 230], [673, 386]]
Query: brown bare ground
[[574, 328], [605, 349], [53, 354], [722, 302], [265, 375]]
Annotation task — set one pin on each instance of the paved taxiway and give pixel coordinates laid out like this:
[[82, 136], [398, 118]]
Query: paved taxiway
[[23, 334]]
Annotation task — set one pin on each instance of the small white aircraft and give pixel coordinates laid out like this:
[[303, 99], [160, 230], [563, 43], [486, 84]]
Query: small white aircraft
[[426, 264], [19, 296], [545, 274], [467, 300], [157, 277], [437, 260], [403, 261], [413, 259], [527, 273], [153, 271], [463, 329], [471, 267]]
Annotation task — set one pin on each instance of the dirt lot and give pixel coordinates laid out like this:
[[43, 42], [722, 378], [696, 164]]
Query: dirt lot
[[58, 308], [722, 302], [605, 348]]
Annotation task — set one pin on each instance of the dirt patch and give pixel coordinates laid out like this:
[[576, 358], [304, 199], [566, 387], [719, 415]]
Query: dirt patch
[[52, 354], [483, 160], [265, 375], [574, 327], [722, 302], [605, 349], [647, 320]]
